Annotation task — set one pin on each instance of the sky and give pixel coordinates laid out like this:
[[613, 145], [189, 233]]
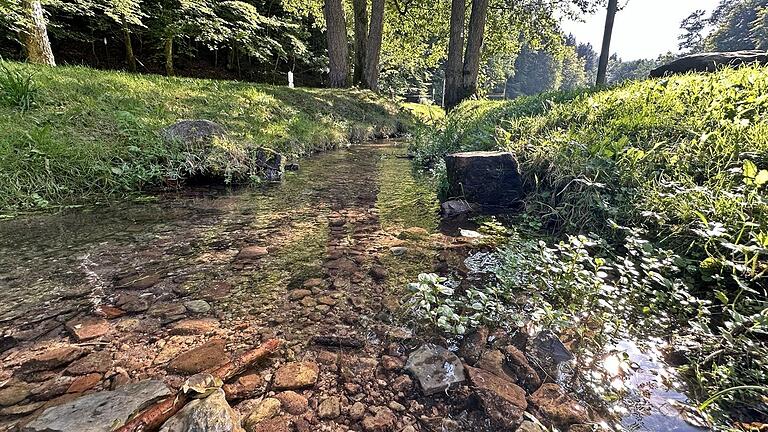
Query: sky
[[643, 29]]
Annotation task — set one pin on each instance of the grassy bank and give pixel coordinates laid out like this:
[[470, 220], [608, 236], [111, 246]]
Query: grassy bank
[[81, 134], [651, 199]]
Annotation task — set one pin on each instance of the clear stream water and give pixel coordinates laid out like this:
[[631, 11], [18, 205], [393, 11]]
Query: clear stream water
[[59, 264]]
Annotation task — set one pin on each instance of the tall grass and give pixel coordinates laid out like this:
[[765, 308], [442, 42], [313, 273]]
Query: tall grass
[[682, 160]]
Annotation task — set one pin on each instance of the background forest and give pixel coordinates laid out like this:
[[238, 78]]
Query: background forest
[[524, 52]]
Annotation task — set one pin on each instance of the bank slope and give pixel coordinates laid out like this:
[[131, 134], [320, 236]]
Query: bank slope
[[92, 134]]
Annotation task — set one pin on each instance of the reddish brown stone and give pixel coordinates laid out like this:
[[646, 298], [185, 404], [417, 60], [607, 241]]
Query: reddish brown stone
[[52, 358], [84, 329], [245, 387], [100, 361], [14, 393], [296, 375], [518, 365], [560, 408], [252, 252], [276, 424], [292, 402], [503, 401], [85, 382], [391, 363], [195, 326], [111, 312], [138, 282], [196, 360], [383, 421]]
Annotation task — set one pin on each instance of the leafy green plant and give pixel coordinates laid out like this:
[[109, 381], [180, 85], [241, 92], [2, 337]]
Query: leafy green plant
[[17, 88]]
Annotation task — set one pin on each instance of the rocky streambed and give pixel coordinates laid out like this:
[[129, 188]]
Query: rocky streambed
[[106, 311]]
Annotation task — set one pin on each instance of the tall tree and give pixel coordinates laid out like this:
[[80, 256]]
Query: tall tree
[[35, 34], [692, 39], [454, 65], [127, 14], [360, 12], [338, 52], [605, 52], [373, 53], [475, 37]]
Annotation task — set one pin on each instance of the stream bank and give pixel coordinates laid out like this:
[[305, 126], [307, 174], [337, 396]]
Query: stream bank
[[103, 298]]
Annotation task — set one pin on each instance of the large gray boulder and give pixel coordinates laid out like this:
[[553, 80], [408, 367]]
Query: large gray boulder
[[99, 412], [711, 62], [490, 179]]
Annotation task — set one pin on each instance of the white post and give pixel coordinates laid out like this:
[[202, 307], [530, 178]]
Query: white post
[[290, 79]]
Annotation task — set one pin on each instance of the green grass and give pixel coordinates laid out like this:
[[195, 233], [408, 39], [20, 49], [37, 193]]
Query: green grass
[[668, 173], [91, 135], [429, 114]]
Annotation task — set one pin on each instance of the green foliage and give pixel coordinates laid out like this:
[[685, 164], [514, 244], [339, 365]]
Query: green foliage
[[682, 163], [95, 135], [17, 88]]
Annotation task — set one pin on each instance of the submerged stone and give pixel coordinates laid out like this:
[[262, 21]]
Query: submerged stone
[[435, 367], [98, 412]]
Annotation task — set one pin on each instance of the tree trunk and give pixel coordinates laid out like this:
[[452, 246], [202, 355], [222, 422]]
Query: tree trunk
[[455, 65], [338, 52], [129, 57], [375, 33], [169, 55], [360, 9], [35, 35], [474, 46], [605, 53]]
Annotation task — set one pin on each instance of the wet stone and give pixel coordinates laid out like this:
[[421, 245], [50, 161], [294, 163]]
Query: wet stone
[[52, 358], [503, 401], [383, 421], [435, 368], [211, 414], [98, 412], [196, 360], [473, 345], [84, 329], [296, 375], [329, 408], [195, 326], [138, 282], [292, 402], [560, 408], [14, 393]]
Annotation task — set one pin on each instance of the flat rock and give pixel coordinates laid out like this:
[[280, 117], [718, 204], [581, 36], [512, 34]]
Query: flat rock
[[503, 401], [84, 382], [196, 360], [435, 367], [246, 386], [99, 361], [14, 393], [298, 294], [457, 207], [194, 326], [138, 282], [296, 375], [710, 62], [560, 408], [99, 412], [83, 329], [52, 358], [211, 414]]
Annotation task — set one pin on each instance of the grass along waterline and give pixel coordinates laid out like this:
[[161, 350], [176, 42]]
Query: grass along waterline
[[653, 195]]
